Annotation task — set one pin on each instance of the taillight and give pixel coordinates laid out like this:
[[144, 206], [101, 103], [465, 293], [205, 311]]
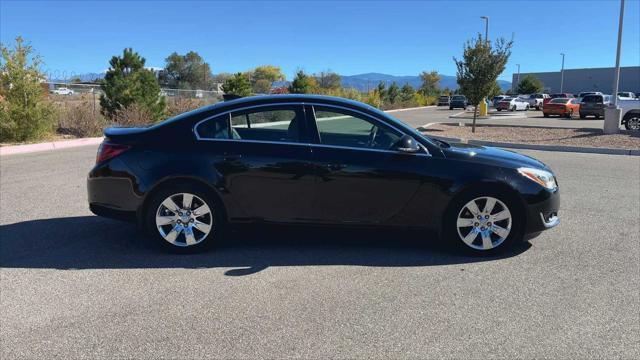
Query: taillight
[[107, 151]]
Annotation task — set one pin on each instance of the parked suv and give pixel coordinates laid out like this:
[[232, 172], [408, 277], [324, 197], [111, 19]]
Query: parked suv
[[593, 105], [536, 100], [458, 101], [443, 101], [497, 99]]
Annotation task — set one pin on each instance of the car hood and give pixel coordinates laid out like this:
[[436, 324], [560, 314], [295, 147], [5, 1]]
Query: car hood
[[491, 156]]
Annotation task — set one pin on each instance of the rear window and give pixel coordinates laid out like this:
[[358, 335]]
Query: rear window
[[554, 96], [458, 97], [444, 98], [559, 101], [592, 99]]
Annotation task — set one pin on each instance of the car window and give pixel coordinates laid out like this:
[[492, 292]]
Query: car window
[[344, 128], [278, 124], [216, 128], [458, 97], [270, 124], [559, 101]]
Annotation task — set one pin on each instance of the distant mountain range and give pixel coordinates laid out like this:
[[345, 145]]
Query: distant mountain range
[[361, 82]]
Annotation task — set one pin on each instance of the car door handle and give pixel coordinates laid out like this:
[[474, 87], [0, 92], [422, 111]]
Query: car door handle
[[232, 157], [335, 166]]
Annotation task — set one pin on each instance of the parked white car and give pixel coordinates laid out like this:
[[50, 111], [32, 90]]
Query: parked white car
[[513, 104], [536, 100], [626, 95], [630, 114], [62, 91]]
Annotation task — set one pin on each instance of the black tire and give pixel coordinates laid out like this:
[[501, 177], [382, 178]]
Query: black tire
[[569, 115], [499, 109], [513, 108], [583, 116], [450, 107], [545, 115], [450, 230], [216, 218], [632, 123], [597, 116]]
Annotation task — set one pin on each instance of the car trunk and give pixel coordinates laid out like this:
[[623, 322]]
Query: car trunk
[[125, 135]]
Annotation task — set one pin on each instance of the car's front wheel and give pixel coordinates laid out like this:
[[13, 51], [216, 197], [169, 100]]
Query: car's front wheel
[[183, 218], [632, 123], [483, 223]]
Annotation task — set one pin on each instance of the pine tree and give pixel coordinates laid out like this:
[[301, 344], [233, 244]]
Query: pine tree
[[127, 83], [303, 84], [393, 92], [238, 85]]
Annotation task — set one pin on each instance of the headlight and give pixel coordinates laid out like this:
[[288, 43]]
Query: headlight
[[542, 177]]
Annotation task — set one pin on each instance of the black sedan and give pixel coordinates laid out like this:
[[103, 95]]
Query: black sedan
[[315, 160]]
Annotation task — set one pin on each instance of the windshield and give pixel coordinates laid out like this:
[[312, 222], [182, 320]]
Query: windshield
[[458, 97]]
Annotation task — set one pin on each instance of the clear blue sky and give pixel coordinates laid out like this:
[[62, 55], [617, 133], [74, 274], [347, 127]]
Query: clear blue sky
[[394, 37]]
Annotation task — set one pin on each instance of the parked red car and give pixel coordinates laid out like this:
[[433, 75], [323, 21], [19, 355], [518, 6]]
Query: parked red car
[[556, 96], [562, 107]]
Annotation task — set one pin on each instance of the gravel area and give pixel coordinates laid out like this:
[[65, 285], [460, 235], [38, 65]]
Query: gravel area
[[539, 135]]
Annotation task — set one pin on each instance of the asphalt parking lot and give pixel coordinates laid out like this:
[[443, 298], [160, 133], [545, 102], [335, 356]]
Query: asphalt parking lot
[[73, 285], [421, 117]]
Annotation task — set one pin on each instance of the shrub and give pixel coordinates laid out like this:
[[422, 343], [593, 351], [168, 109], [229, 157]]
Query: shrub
[[24, 113], [81, 120], [373, 99], [134, 115], [179, 105]]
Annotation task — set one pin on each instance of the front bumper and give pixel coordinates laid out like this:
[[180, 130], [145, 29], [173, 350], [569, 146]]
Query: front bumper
[[543, 214]]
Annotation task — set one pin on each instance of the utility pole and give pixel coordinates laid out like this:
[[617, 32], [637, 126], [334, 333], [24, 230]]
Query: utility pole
[[486, 28], [562, 74], [612, 113], [518, 78]]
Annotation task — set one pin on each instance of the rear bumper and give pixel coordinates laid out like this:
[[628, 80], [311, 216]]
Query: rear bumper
[[587, 112], [543, 214], [111, 191]]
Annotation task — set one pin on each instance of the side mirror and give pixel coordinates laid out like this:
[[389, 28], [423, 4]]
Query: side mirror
[[407, 144]]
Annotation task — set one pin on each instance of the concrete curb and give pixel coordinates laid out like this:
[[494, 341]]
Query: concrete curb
[[53, 145], [561, 148]]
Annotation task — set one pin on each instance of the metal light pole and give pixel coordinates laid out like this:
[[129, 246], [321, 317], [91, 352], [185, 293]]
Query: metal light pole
[[562, 74], [518, 77], [486, 28], [612, 113]]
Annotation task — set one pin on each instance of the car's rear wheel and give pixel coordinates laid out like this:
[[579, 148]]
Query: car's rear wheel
[[545, 115], [183, 218], [513, 108], [569, 114], [483, 223], [450, 107], [583, 116]]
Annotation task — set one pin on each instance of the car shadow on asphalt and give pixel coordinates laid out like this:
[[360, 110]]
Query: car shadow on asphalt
[[91, 242]]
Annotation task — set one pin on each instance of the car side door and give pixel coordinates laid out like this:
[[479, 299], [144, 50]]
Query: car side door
[[361, 179], [263, 157]]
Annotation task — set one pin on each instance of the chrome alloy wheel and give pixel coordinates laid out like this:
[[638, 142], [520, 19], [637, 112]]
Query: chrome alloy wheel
[[633, 123], [184, 219], [484, 229]]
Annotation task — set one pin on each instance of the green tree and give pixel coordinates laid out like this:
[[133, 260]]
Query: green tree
[[24, 113], [328, 80], [529, 85], [430, 83], [303, 84], [407, 93], [495, 90], [393, 93], [188, 71], [382, 92], [127, 83], [479, 69], [264, 76], [238, 85]]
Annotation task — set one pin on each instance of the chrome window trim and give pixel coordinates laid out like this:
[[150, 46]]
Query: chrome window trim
[[228, 112]]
